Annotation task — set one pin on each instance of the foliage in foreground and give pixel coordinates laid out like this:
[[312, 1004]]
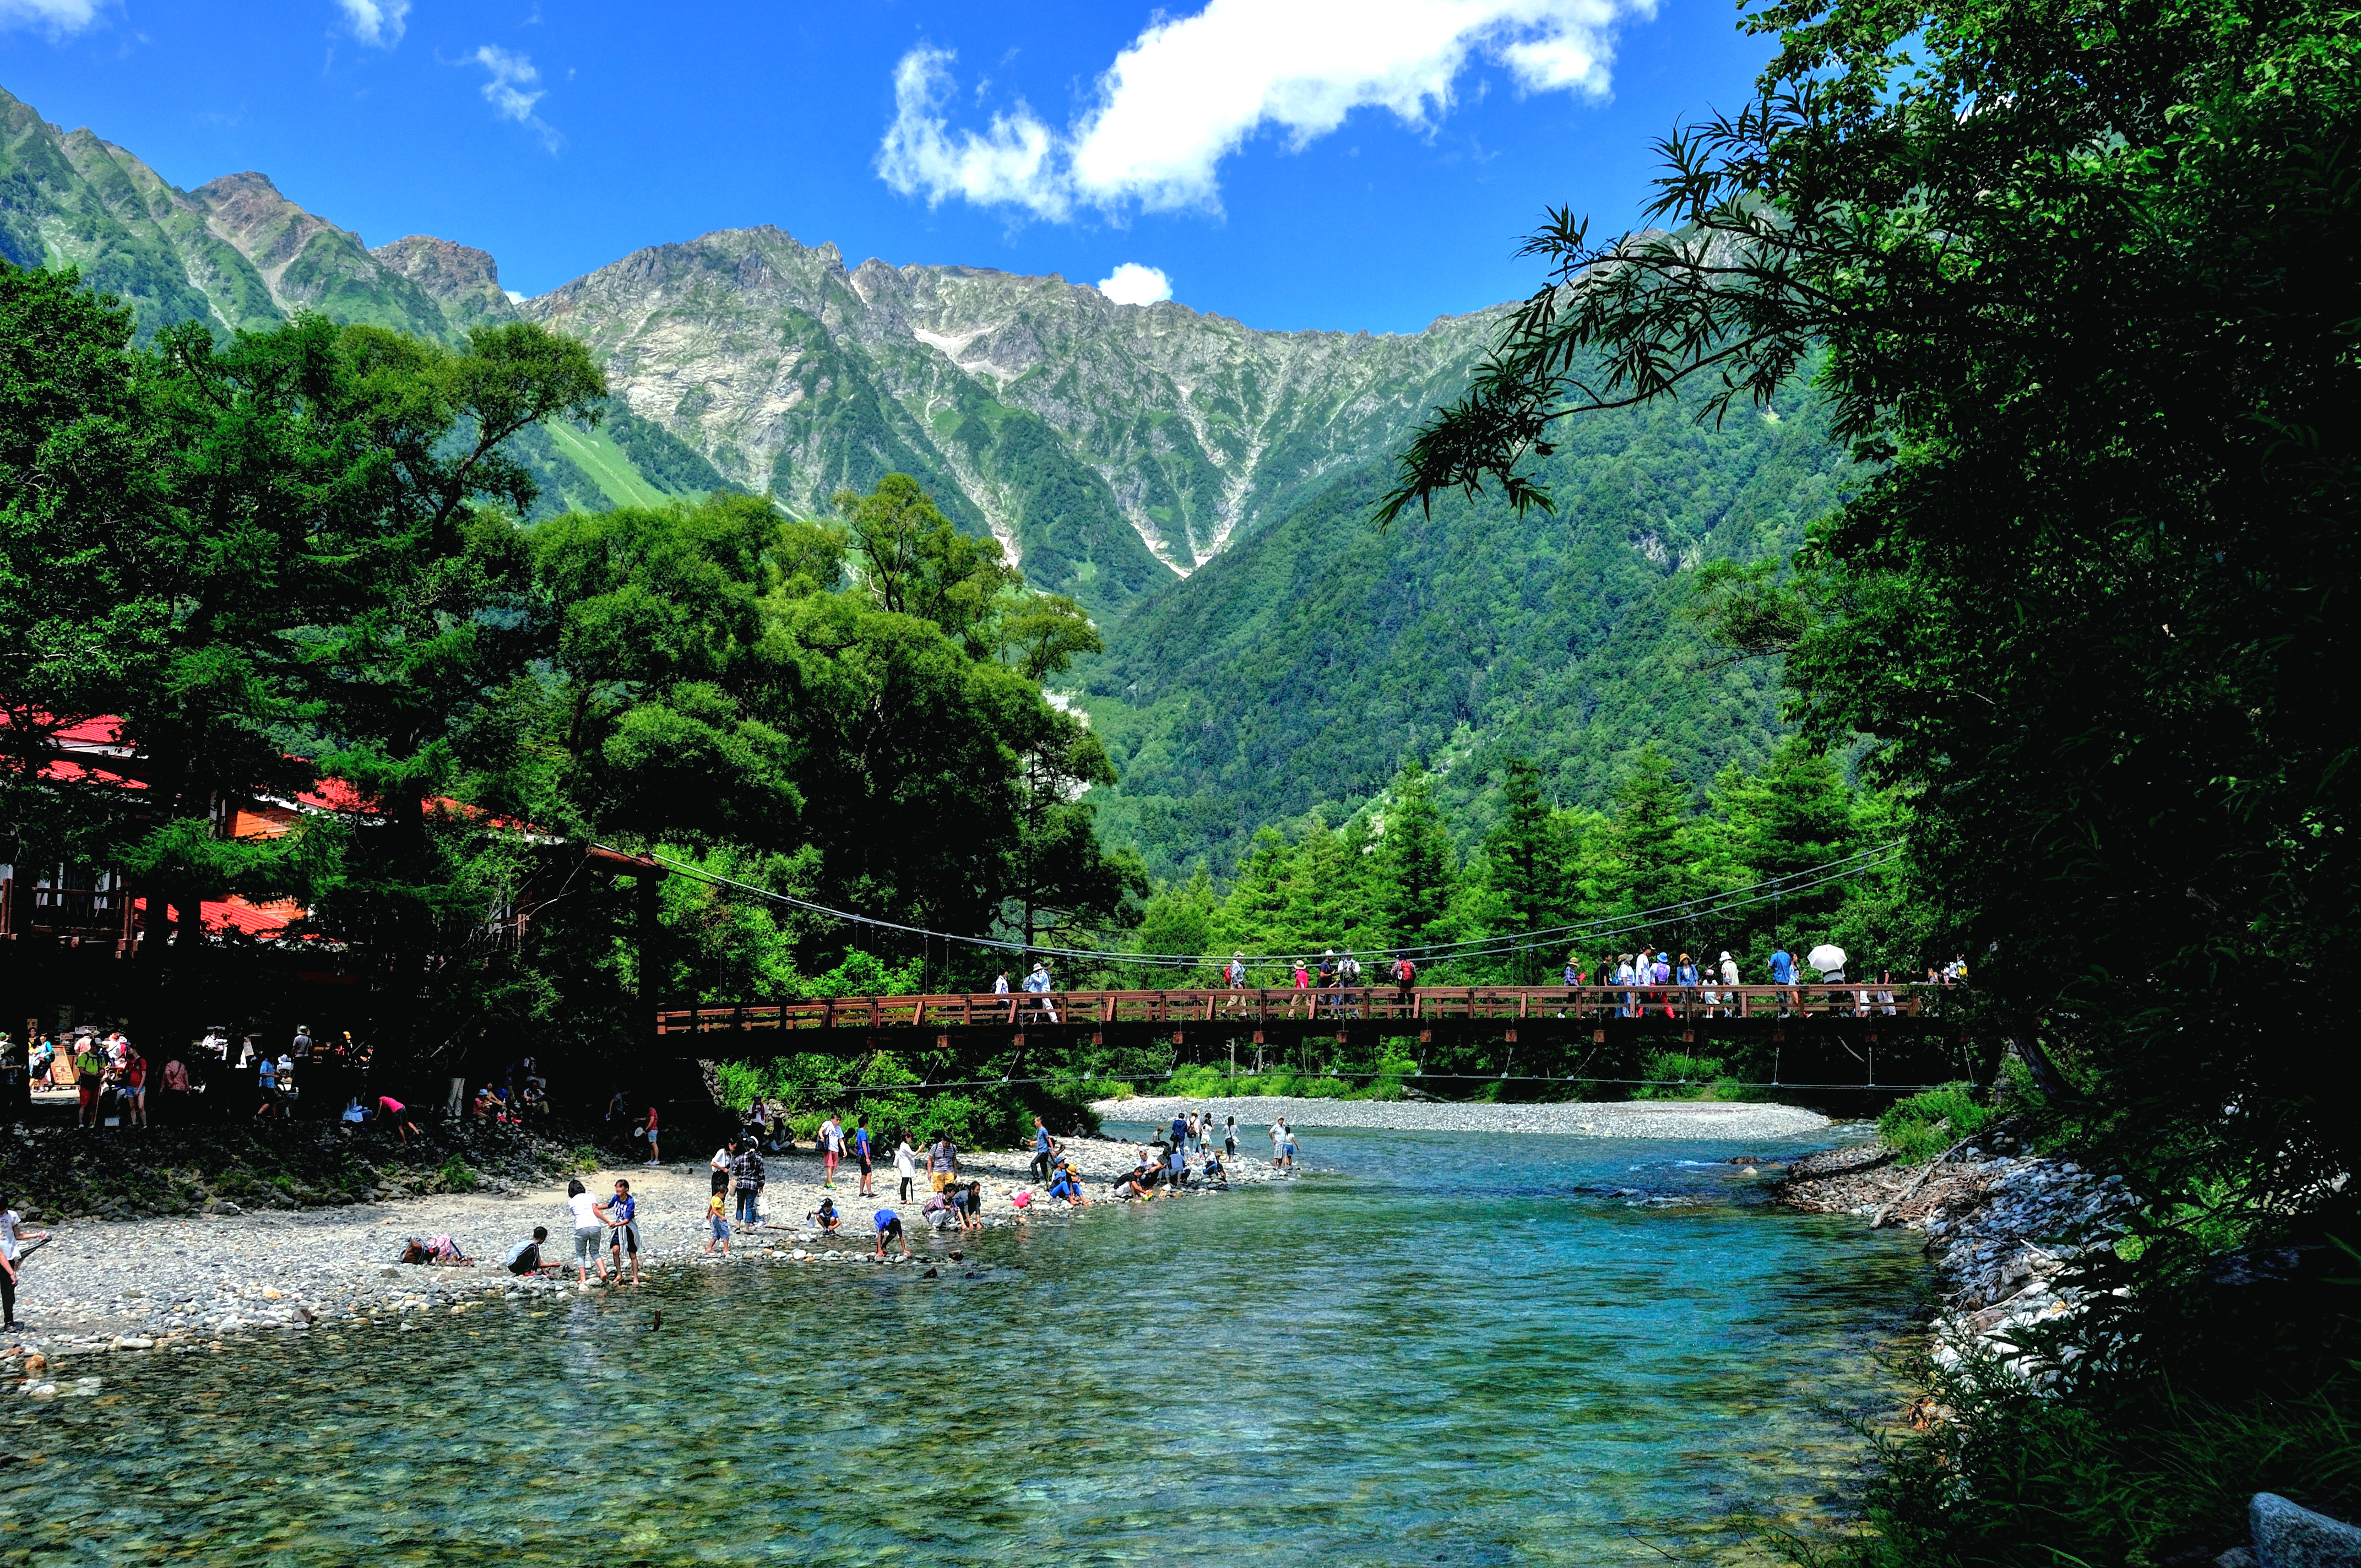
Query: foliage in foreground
[[2082, 286], [2137, 1476]]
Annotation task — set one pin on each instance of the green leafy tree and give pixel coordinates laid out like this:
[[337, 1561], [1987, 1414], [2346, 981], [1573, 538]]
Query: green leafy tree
[[915, 562]]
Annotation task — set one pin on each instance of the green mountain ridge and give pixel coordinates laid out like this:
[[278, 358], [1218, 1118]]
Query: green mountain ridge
[[1202, 487]]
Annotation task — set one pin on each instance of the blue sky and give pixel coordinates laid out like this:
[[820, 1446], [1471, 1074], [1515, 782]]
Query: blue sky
[[1291, 163]]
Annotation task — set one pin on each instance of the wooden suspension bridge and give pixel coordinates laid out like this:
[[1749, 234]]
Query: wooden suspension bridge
[[1448, 1015]]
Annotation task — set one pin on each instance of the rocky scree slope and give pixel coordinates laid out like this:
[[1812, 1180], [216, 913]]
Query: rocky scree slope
[[1111, 449]]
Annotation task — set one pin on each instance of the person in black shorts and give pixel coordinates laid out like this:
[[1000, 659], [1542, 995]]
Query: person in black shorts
[[623, 1232], [889, 1228]]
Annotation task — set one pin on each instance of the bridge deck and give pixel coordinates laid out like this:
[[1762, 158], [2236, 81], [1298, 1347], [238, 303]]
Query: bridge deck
[[1429, 1012]]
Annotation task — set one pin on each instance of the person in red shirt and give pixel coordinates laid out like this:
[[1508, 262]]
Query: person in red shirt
[[132, 1095]]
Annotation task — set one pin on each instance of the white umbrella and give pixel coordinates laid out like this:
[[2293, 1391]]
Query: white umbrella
[[1826, 958]]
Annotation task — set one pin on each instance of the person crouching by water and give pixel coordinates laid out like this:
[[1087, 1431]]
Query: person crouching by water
[[825, 1218], [525, 1256], [589, 1230], [889, 1229]]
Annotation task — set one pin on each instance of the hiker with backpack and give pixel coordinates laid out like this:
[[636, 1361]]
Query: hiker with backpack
[[1405, 978]]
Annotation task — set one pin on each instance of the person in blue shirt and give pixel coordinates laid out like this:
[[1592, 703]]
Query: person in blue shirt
[[1783, 967], [1040, 1150], [865, 1154], [623, 1230], [889, 1228]]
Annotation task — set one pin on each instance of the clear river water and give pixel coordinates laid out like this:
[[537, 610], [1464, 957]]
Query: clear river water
[[1429, 1348]]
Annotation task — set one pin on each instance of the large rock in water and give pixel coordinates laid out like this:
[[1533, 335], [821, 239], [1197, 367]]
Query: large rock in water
[[2289, 1536]]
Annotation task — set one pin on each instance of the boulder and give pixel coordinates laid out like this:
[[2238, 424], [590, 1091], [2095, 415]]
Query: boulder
[[2290, 1536]]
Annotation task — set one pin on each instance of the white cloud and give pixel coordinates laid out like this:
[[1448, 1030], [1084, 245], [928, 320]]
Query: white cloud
[[514, 88], [1189, 92], [1132, 284], [55, 17], [378, 21], [1010, 164]]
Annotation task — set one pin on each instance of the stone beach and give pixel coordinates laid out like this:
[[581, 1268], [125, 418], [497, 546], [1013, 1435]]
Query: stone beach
[[189, 1283], [1744, 1121], [2003, 1231]]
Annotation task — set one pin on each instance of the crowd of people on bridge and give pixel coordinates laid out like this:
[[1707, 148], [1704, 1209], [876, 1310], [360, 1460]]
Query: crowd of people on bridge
[[1322, 986]]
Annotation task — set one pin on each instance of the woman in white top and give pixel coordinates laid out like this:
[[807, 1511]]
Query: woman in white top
[[589, 1230], [906, 1164]]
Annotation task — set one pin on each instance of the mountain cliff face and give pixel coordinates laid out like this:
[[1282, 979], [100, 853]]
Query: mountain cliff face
[[1202, 487], [233, 252], [1112, 449]]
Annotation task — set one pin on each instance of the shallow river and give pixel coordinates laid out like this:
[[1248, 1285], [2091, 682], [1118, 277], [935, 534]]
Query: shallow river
[[1430, 1348]]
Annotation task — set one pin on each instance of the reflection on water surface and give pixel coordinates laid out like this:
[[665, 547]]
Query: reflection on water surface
[[1430, 1348]]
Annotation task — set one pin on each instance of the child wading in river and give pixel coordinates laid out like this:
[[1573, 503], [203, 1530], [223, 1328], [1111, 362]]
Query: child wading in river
[[623, 1235], [716, 1222]]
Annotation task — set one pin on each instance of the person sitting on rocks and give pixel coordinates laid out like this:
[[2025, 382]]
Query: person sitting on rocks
[[824, 1219], [1063, 1183]]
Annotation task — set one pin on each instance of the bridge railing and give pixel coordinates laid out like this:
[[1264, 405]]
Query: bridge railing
[[1253, 1008]]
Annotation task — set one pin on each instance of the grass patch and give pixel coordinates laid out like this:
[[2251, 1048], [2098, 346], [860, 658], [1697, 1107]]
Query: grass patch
[[1924, 1125], [456, 1174]]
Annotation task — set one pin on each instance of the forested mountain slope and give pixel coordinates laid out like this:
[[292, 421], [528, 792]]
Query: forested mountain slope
[[1308, 665], [234, 253], [1202, 487]]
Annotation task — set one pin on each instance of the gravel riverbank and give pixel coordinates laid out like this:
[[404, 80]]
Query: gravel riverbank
[[2003, 1228], [1741, 1120], [188, 1282]]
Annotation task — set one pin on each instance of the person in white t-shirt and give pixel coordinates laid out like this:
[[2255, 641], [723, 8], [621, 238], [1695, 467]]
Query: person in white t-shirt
[[832, 1148], [906, 1164], [589, 1231]]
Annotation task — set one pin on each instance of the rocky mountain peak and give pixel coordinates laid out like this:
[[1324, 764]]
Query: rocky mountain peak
[[462, 280]]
